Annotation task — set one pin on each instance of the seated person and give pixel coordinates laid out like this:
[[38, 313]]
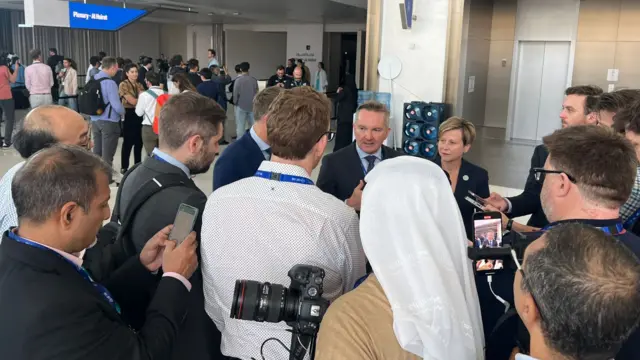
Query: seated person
[[279, 79], [577, 292], [455, 137], [417, 247]]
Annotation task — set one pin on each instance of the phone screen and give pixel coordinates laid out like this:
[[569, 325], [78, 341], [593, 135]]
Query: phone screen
[[183, 224], [487, 233], [477, 198]]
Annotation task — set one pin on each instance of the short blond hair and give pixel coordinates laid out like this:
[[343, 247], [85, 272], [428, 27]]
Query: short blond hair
[[458, 123], [375, 106]]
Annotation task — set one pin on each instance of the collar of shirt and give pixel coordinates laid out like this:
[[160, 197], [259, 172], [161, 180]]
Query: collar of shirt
[[101, 75], [37, 62], [75, 259], [156, 88], [524, 357], [261, 144], [171, 160], [363, 154], [286, 169]]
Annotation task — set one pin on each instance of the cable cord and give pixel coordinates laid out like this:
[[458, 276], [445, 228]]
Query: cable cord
[[265, 342], [503, 301]]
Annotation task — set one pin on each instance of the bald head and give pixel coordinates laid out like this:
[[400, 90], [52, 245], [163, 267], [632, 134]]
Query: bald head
[[50, 124], [297, 73]]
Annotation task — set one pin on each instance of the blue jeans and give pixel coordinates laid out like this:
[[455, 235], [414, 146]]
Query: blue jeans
[[71, 103], [242, 117]]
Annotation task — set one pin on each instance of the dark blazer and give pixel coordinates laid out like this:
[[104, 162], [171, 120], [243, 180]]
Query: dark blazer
[[199, 338], [477, 180], [241, 159], [529, 201], [142, 73], [342, 170], [209, 89], [49, 311]]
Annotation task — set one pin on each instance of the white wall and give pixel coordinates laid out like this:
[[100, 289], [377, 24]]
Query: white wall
[[172, 38], [423, 66], [263, 50], [305, 42], [199, 41], [140, 38]]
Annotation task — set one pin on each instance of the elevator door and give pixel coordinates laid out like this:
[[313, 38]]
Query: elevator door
[[542, 73]]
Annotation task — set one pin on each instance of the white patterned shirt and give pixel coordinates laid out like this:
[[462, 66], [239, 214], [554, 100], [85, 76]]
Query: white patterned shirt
[[8, 213], [258, 229]]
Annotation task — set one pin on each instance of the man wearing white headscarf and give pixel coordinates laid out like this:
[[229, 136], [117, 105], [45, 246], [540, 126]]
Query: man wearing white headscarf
[[422, 300]]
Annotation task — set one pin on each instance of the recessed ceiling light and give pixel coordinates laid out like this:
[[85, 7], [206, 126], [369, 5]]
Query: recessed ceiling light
[[236, 13], [210, 14]]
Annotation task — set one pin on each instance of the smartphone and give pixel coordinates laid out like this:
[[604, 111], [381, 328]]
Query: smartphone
[[184, 222], [475, 203], [477, 198], [487, 232]]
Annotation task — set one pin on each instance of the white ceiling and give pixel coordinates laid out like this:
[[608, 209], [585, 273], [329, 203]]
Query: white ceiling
[[241, 11]]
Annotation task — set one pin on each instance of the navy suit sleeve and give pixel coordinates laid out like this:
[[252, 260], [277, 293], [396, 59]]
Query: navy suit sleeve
[[529, 201], [326, 181], [224, 173], [482, 188]]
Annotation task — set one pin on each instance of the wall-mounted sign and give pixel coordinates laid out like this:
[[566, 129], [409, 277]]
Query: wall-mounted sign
[[408, 8], [98, 17]]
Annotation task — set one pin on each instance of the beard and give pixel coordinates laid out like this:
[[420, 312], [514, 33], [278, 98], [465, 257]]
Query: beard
[[547, 208], [200, 164]]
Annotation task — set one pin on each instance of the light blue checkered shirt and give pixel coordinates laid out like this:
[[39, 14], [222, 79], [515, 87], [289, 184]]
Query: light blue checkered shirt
[[8, 213], [633, 203]]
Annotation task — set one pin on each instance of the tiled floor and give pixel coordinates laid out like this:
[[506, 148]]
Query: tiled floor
[[507, 162]]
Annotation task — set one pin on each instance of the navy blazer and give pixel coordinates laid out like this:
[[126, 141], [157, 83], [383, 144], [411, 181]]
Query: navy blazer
[[529, 201], [474, 178], [239, 160], [342, 170]]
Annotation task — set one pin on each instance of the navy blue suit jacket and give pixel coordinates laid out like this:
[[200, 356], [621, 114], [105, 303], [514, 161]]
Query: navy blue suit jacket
[[239, 160], [209, 89], [477, 180]]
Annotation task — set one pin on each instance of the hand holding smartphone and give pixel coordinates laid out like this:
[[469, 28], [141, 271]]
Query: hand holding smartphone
[[183, 223]]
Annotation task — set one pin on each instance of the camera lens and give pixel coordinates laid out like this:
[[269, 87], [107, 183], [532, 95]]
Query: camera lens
[[261, 302]]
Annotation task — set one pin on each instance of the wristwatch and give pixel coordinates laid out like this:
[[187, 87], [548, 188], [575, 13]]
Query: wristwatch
[[509, 225]]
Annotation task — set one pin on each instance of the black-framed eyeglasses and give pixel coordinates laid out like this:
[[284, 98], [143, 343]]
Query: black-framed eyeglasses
[[539, 174], [330, 136], [524, 281]]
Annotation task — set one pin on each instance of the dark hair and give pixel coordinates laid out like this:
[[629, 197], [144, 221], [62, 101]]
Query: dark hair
[[611, 102], [238, 69], [206, 73], [53, 50], [300, 62], [108, 62], [193, 63], [152, 78], [264, 99], [94, 60], [187, 114], [183, 81], [129, 67], [628, 95], [297, 120], [28, 142], [590, 92], [72, 63], [146, 61], [602, 162], [54, 177], [120, 62], [213, 52], [176, 60], [35, 54], [280, 68], [127, 61], [213, 67], [586, 285], [628, 119], [102, 55], [244, 66], [321, 65]]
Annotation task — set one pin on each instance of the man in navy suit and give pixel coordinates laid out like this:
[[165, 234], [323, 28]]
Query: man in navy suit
[[242, 158], [342, 172]]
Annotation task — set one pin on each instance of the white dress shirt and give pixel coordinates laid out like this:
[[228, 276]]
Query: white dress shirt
[[258, 229], [8, 213], [146, 106]]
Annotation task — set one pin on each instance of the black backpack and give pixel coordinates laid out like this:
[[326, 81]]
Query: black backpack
[[115, 231], [90, 99]]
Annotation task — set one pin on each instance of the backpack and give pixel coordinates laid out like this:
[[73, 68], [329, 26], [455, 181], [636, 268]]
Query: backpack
[[114, 231], [90, 98], [160, 100]]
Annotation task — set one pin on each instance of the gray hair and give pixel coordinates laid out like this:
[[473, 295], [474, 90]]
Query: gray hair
[[586, 285], [53, 177], [375, 106]]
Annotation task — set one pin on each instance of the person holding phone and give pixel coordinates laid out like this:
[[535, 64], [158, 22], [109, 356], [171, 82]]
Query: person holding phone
[[455, 137]]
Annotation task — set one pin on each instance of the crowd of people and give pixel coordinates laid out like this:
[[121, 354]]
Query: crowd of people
[[391, 232]]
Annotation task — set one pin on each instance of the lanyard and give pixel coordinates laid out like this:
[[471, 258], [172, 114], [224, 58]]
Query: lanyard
[[283, 177], [159, 158], [613, 230], [81, 270], [632, 219]]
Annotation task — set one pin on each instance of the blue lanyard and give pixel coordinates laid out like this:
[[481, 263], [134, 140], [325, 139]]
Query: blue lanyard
[[632, 219], [159, 158], [81, 270], [283, 177], [613, 230]]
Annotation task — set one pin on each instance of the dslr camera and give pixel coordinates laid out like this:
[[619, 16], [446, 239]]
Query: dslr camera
[[300, 305]]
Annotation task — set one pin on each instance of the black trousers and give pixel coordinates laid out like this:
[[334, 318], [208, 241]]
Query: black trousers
[[344, 135], [132, 138]]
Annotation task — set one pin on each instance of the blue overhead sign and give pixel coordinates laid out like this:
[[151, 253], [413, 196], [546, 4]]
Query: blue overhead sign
[[98, 17]]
